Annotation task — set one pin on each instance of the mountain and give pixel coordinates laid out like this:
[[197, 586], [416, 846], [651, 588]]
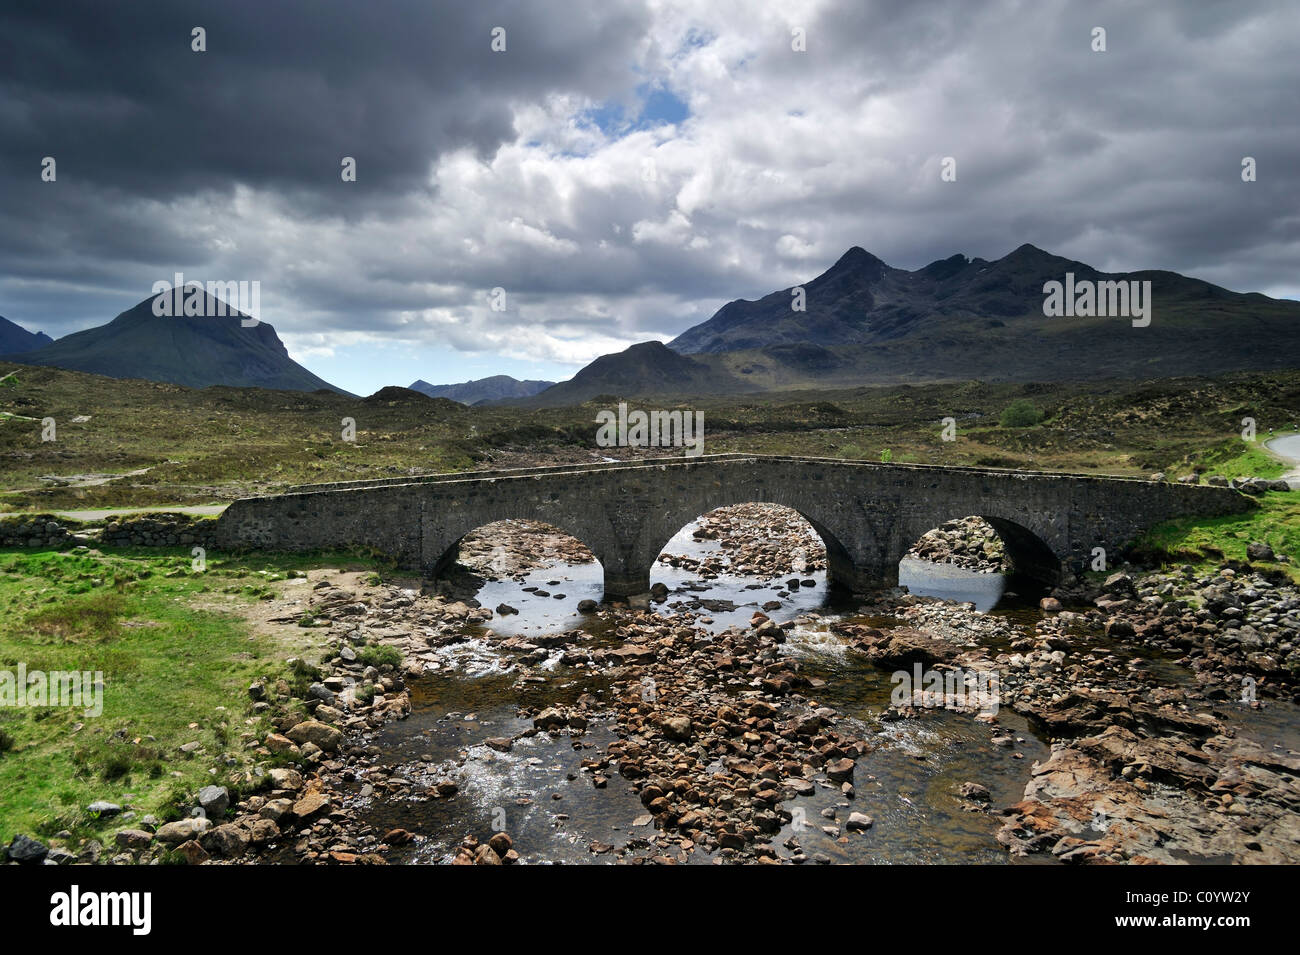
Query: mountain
[[14, 339], [963, 318], [197, 352], [483, 389], [648, 368]]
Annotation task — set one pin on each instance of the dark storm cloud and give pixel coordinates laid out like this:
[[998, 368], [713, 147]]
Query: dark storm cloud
[[478, 170], [285, 89]]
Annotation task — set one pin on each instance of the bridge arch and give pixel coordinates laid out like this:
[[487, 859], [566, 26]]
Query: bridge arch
[[840, 564], [1027, 548], [453, 555]]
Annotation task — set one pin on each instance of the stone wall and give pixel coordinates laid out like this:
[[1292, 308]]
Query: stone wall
[[38, 530], [159, 530]]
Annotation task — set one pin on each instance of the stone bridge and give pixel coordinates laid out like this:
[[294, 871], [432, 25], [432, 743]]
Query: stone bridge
[[868, 515]]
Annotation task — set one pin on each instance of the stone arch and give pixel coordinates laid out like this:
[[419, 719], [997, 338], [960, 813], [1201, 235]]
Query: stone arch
[[841, 569], [1027, 548]]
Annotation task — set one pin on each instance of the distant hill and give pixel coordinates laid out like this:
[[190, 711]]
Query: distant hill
[[194, 352], [484, 389], [648, 368], [14, 339]]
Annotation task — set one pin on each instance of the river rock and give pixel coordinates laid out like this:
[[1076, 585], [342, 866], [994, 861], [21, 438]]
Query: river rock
[[319, 734]]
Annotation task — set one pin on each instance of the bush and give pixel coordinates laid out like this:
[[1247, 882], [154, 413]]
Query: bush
[[378, 656], [1021, 413]]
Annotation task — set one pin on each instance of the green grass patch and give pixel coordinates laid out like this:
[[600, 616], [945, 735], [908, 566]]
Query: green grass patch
[[1211, 541], [1237, 458], [173, 673]]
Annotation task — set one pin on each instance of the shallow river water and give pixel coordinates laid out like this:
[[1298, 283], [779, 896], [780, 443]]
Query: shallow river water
[[537, 793]]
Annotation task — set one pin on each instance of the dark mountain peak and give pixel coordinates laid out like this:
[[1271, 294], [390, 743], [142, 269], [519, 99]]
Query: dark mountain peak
[[856, 261], [198, 351], [941, 269], [1029, 255], [15, 340]]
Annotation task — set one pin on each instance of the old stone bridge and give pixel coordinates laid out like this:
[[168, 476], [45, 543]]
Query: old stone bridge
[[868, 515]]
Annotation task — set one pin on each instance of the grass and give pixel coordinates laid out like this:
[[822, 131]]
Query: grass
[[1237, 458], [1207, 542], [174, 672], [218, 444]]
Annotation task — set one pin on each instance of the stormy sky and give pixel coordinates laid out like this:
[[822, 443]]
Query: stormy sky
[[621, 169]]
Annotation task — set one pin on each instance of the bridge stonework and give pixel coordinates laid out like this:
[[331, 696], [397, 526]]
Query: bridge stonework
[[868, 515]]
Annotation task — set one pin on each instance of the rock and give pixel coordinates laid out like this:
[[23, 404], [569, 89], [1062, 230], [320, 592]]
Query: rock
[[1258, 550], [677, 728], [102, 808], [319, 691], [309, 805], [319, 734], [501, 843], [587, 606], [192, 852], [859, 822], [1158, 476], [25, 849], [840, 770], [501, 744], [263, 831], [1216, 480], [398, 837], [550, 718], [275, 809], [1119, 583], [133, 839], [215, 800], [505, 610], [227, 841], [659, 592], [183, 830], [974, 792], [278, 743], [1050, 605], [283, 778]]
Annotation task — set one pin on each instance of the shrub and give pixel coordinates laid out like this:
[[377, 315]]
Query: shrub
[[1021, 413]]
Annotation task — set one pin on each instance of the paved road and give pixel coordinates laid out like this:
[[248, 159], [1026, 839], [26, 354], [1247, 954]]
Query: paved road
[[1287, 447]]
